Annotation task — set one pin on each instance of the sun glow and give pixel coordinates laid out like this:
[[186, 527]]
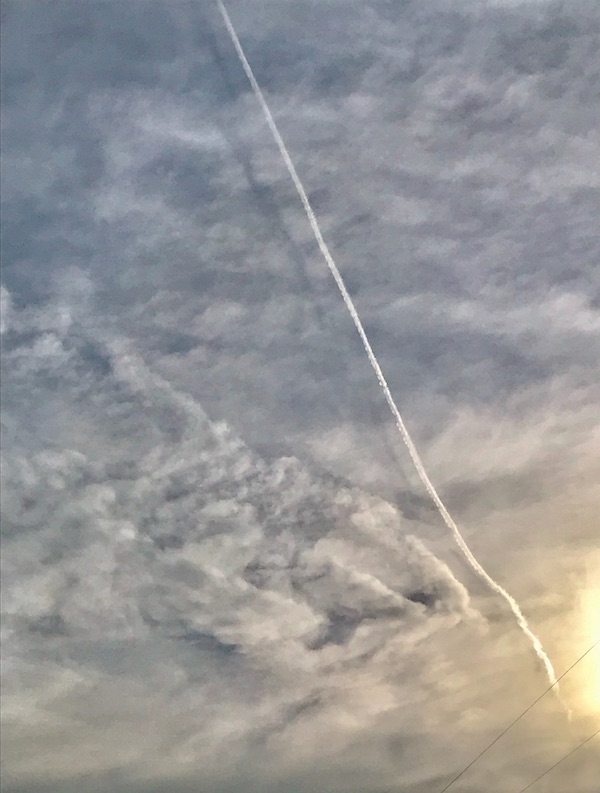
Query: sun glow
[[592, 620], [590, 625]]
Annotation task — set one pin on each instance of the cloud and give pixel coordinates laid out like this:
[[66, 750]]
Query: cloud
[[218, 566], [5, 309], [192, 563]]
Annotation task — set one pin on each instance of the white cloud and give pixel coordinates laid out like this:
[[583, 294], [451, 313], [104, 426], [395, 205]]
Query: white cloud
[[5, 309], [251, 611]]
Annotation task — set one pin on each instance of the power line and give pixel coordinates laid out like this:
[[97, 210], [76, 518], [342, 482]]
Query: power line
[[562, 759], [512, 724]]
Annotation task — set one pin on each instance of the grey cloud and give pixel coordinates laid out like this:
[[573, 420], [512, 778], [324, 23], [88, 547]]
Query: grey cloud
[[200, 553], [213, 540]]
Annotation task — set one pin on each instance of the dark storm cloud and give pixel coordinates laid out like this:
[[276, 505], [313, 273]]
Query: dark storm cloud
[[213, 541]]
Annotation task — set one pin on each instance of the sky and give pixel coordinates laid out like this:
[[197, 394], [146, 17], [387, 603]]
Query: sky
[[220, 572]]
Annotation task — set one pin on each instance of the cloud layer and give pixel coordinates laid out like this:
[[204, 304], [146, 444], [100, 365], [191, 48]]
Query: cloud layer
[[219, 570]]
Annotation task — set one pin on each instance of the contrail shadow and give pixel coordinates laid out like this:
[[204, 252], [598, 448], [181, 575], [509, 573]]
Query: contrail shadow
[[262, 193]]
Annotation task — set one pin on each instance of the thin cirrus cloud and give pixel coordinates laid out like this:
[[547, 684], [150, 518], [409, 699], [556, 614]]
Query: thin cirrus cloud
[[212, 540]]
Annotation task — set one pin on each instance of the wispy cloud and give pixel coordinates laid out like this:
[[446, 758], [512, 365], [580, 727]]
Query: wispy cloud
[[212, 540]]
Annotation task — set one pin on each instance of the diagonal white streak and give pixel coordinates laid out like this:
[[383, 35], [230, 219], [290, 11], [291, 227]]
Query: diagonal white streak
[[412, 450]]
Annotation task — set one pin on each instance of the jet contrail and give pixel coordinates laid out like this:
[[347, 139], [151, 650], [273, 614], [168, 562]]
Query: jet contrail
[[412, 450]]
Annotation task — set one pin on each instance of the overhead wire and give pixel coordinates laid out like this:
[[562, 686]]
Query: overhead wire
[[518, 718], [562, 759]]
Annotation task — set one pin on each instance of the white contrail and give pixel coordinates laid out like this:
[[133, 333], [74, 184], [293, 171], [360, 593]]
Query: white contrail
[[414, 455]]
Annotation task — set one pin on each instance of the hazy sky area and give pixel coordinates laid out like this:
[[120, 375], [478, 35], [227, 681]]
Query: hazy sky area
[[220, 571]]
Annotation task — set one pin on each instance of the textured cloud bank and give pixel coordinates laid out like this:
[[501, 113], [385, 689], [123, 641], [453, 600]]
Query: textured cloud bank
[[183, 609], [242, 593]]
